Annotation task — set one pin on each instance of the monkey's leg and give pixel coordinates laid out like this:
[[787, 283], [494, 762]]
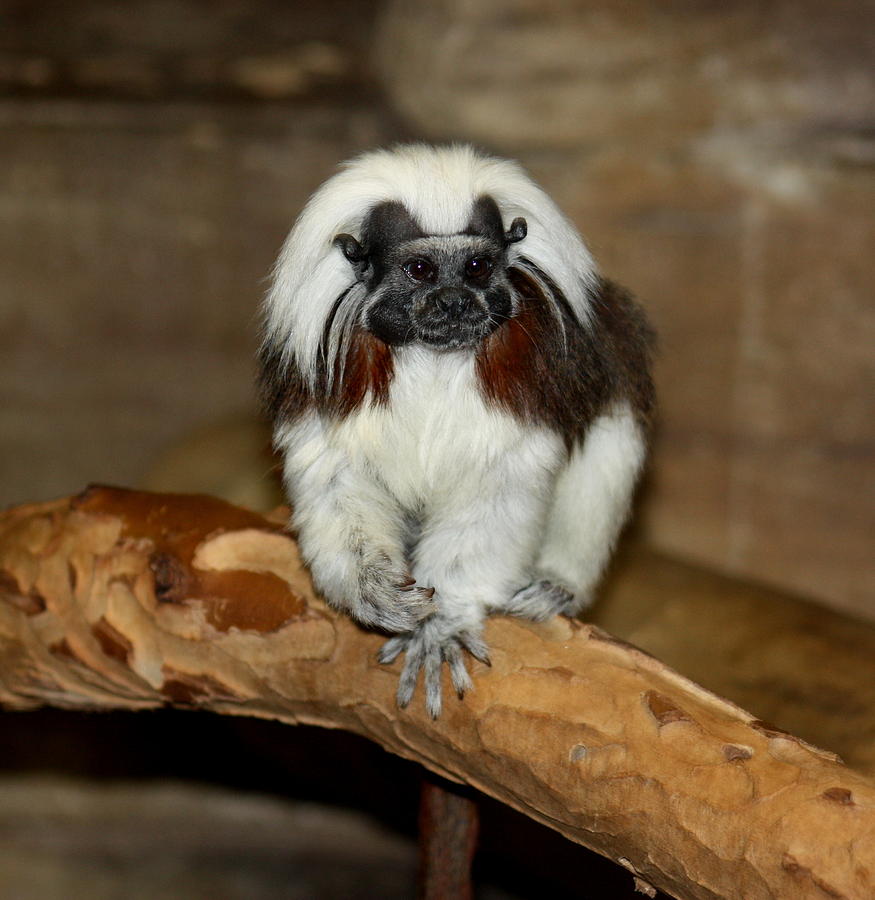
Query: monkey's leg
[[351, 534], [590, 505]]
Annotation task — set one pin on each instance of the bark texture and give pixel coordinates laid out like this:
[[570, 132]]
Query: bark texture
[[122, 599]]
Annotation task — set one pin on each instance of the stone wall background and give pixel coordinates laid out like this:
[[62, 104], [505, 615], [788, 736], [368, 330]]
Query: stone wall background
[[719, 158]]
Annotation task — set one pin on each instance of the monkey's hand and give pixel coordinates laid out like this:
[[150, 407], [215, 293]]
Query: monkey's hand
[[431, 644], [388, 598], [541, 600]]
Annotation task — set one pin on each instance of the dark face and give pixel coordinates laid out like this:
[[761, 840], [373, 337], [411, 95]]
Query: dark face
[[446, 291]]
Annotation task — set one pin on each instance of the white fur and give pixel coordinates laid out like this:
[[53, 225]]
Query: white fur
[[502, 505], [590, 504], [438, 185], [479, 480]]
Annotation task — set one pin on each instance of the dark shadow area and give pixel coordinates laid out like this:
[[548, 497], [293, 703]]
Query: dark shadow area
[[517, 858]]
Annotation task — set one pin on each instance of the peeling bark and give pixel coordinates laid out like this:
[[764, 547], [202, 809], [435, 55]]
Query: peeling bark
[[122, 599]]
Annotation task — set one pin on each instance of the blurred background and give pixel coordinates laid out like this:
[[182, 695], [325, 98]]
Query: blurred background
[[719, 159]]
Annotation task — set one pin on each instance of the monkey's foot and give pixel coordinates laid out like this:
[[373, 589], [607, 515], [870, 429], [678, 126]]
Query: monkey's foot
[[389, 599], [427, 648], [541, 600]]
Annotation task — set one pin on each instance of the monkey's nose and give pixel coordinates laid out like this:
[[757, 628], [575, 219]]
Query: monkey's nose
[[453, 302]]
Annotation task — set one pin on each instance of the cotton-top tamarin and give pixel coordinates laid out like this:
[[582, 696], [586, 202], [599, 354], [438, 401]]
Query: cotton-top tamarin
[[460, 400]]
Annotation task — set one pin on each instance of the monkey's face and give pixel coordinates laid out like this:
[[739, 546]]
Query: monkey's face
[[446, 291]]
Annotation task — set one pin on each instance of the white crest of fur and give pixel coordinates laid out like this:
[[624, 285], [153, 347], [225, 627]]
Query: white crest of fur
[[438, 186]]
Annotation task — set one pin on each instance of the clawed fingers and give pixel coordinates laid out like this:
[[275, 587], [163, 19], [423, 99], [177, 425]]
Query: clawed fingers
[[390, 651], [540, 601], [413, 661], [400, 609], [431, 666], [426, 650], [458, 673], [476, 646]]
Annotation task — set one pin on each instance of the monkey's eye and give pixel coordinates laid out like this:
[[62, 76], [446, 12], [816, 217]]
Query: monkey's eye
[[478, 267], [420, 269]]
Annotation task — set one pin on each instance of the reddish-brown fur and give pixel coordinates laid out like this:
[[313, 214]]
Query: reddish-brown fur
[[512, 359], [368, 371], [542, 366], [560, 374]]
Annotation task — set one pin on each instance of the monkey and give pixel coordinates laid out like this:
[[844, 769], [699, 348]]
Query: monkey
[[461, 402]]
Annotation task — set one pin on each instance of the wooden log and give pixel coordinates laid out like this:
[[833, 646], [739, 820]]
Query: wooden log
[[123, 599], [796, 663]]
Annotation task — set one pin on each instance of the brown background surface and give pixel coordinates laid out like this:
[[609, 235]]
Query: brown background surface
[[719, 158]]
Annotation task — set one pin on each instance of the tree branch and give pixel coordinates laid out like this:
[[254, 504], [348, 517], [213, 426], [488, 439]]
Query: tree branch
[[122, 599]]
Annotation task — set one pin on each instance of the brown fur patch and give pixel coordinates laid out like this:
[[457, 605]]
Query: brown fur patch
[[545, 367], [511, 363], [542, 366], [367, 372], [366, 375]]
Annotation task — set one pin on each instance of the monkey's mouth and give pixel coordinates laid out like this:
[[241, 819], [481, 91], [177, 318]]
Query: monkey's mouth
[[456, 334]]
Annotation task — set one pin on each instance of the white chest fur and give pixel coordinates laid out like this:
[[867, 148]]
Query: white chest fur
[[436, 436], [477, 483]]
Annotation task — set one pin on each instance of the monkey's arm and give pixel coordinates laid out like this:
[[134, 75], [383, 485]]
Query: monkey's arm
[[590, 505], [477, 549], [350, 532]]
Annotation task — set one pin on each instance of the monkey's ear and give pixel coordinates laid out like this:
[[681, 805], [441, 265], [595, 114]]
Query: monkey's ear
[[353, 251], [517, 231], [350, 247]]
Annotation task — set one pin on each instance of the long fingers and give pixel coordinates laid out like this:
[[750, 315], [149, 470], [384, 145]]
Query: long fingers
[[413, 661], [458, 673], [426, 650], [390, 651]]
